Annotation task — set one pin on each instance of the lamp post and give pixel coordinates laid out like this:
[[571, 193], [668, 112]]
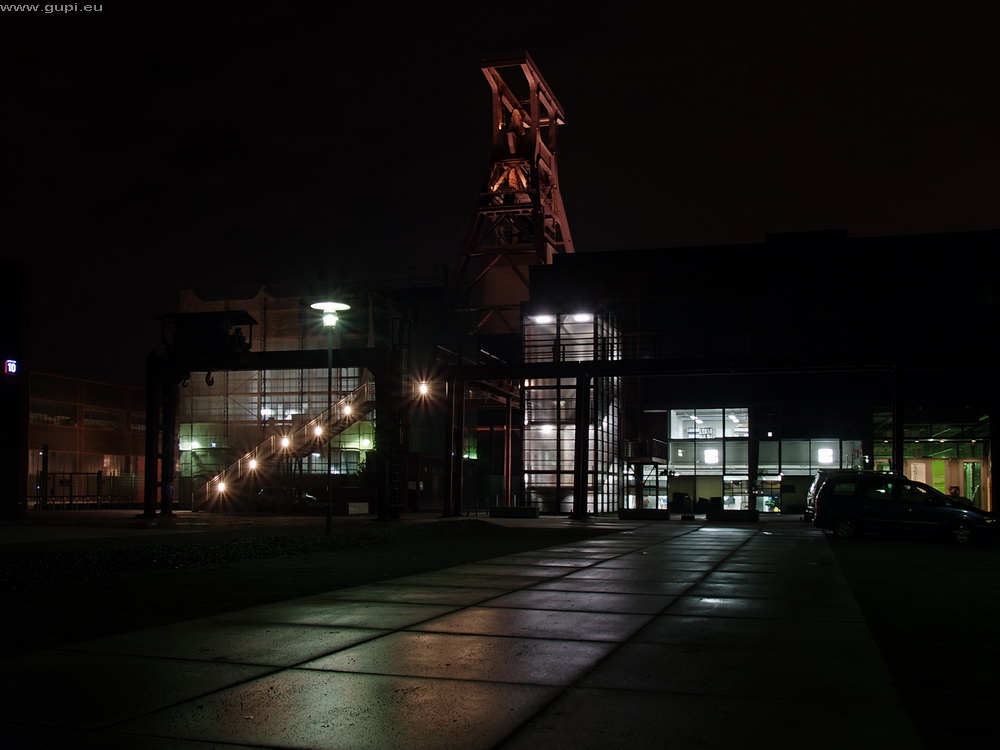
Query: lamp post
[[329, 311]]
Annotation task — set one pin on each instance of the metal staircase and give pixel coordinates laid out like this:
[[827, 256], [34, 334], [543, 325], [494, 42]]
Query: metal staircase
[[277, 448]]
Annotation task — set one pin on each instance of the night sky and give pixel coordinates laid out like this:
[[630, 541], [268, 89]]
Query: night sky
[[200, 145]]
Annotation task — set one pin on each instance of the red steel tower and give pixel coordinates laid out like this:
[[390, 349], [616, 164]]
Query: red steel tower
[[519, 220]]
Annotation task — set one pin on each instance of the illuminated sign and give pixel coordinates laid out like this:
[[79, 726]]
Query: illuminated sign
[[10, 366]]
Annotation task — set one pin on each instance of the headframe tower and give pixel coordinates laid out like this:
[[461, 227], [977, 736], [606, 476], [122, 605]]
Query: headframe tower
[[519, 218]]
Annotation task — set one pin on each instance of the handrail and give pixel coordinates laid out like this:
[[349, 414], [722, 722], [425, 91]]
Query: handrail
[[342, 414]]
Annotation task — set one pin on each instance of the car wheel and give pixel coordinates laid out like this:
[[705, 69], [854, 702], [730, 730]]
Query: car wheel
[[846, 528], [961, 533]]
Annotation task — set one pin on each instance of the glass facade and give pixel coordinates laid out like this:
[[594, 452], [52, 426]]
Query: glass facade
[[553, 414], [709, 456]]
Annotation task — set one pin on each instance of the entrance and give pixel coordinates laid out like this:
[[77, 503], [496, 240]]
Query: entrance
[[963, 477]]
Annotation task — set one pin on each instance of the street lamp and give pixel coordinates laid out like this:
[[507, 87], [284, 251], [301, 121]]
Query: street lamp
[[329, 311]]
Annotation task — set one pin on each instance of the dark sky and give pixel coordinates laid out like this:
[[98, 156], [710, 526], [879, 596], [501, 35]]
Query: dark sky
[[205, 144]]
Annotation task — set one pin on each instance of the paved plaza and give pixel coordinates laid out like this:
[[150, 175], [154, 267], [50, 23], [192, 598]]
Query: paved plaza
[[654, 635]]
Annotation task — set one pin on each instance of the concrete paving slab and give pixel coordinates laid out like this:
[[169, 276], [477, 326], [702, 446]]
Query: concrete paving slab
[[418, 593], [224, 641], [741, 606], [614, 586], [582, 601], [841, 677], [81, 690], [528, 661], [330, 611], [798, 635], [534, 623], [639, 574], [110, 741], [594, 718], [317, 710]]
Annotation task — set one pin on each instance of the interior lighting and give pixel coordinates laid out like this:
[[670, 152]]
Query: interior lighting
[[347, 410], [825, 455], [583, 317], [253, 463], [423, 389], [734, 419], [711, 456], [543, 319], [318, 430], [285, 442], [548, 428], [221, 486], [366, 443]]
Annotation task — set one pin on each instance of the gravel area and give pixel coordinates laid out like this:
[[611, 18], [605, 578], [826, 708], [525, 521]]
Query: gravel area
[[57, 593], [43, 568]]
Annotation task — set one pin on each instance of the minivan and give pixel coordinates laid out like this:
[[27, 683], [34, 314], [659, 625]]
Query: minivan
[[851, 503]]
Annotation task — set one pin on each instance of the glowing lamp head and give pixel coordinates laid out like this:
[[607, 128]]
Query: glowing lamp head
[[330, 310]]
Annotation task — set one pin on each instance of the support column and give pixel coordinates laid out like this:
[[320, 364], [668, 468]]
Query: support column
[[456, 439], [581, 451]]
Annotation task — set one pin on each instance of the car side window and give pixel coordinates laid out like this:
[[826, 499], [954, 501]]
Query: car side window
[[878, 489], [843, 489], [914, 494]]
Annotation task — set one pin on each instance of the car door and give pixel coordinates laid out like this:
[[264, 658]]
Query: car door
[[922, 508], [880, 509]]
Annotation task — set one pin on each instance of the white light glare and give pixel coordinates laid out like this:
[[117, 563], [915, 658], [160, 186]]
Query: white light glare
[[330, 310]]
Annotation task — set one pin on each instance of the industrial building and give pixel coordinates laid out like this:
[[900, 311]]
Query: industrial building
[[537, 379]]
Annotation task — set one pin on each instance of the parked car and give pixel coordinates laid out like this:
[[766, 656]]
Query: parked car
[[851, 503], [286, 500], [822, 476]]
